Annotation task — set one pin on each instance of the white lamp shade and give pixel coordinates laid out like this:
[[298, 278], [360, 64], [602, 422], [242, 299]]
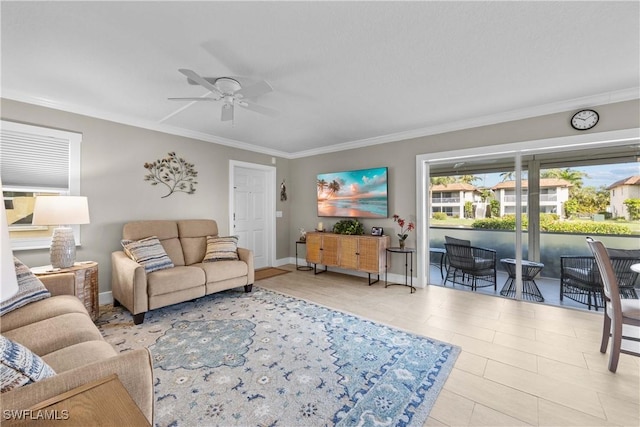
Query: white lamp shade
[[60, 210], [9, 283]]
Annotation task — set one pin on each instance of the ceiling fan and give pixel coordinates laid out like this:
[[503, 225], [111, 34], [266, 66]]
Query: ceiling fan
[[231, 92]]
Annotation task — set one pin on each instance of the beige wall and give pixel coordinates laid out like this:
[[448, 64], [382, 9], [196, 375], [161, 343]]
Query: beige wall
[[113, 155], [112, 178], [400, 158]]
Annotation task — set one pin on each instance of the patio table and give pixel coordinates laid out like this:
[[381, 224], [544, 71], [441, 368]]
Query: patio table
[[529, 287]]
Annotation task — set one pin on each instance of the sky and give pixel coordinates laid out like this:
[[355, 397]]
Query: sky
[[600, 175], [359, 183]]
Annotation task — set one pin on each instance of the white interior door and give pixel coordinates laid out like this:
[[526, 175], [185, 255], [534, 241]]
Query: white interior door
[[251, 212]]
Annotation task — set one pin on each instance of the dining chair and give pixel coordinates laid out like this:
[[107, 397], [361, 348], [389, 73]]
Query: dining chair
[[617, 312]]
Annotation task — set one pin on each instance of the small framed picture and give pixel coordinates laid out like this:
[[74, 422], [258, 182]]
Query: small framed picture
[[376, 231]]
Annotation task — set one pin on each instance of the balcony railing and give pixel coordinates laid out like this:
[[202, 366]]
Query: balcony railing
[[543, 198], [552, 245], [512, 199], [445, 200]]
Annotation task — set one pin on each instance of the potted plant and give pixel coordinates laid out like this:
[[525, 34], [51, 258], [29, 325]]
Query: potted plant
[[404, 232], [348, 226]]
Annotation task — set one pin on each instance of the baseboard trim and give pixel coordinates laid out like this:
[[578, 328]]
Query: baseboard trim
[[391, 277], [105, 298]]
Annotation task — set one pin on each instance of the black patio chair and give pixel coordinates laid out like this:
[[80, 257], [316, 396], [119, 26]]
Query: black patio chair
[[471, 266], [456, 241], [580, 278]]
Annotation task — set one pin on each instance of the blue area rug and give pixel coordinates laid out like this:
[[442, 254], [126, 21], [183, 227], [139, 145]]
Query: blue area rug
[[266, 359]]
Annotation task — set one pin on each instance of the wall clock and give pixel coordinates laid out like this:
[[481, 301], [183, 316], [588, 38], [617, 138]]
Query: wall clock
[[584, 119]]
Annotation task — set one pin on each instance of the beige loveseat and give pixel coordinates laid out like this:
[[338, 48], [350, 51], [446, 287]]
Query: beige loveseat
[[60, 331], [185, 242]]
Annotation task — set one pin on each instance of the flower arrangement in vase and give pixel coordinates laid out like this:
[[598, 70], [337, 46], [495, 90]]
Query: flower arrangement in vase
[[404, 232]]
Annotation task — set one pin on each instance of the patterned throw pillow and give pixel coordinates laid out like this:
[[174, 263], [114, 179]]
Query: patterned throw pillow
[[149, 253], [221, 249], [30, 289], [19, 366]]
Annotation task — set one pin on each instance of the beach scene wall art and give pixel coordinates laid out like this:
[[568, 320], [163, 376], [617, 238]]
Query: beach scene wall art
[[353, 194]]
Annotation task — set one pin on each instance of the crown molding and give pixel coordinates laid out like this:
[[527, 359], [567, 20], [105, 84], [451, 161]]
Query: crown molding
[[507, 116], [144, 124], [492, 119]]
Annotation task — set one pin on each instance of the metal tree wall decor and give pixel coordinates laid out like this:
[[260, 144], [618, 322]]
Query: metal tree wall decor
[[173, 172]]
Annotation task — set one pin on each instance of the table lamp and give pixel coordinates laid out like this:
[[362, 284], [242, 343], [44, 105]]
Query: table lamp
[[61, 211], [9, 284]]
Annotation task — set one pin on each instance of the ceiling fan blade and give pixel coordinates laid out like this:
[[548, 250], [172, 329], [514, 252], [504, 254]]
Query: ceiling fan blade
[[200, 80], [259, 109], [227, 113], [193, 99], [255, 90]]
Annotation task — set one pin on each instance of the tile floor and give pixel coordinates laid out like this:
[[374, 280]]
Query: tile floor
[[521, 363], [549, 288]]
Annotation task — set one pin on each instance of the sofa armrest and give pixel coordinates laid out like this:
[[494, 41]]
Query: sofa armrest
[[246, 255], [134, 369], [59, 284], [129, 283]]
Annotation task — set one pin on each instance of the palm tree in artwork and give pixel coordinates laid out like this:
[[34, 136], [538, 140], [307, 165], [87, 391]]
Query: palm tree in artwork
[[333, 187], [322, 184]]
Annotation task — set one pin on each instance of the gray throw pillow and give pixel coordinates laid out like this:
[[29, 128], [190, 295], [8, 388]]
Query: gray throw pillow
[[30, 289]]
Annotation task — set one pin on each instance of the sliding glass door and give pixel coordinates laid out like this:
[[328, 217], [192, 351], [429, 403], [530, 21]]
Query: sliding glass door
[[531, 206]]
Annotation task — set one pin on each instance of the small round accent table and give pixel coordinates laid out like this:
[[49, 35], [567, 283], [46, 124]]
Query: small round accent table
[[408, 261], [302, 267], [442, 262], [530, 289]]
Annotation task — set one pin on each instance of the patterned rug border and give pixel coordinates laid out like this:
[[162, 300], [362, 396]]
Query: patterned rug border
[[424, 408]]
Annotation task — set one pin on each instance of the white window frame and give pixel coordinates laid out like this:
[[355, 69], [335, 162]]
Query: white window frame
[[75, 140], [515, 150]]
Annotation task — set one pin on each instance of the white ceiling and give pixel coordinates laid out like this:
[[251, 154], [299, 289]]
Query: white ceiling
[[345, 74]]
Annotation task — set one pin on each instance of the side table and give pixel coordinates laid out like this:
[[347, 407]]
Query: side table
[[101, 402], [86, 283], [302, 267], [408, 260], [529, 287], [442, 252]]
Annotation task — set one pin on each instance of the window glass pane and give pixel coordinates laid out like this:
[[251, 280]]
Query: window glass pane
[[19, 206]]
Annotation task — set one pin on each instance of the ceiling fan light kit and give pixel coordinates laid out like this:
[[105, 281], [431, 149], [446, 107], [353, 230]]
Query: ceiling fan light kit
[[227, 85], [231, 92]]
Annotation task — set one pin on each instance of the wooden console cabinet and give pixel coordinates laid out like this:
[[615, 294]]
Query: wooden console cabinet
[[361, 253]]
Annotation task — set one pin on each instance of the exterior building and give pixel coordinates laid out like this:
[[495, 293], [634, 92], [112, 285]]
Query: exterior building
[[619, 191], [554, 193], [450, 198]]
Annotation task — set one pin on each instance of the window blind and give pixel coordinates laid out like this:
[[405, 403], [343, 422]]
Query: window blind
[[34, 158]]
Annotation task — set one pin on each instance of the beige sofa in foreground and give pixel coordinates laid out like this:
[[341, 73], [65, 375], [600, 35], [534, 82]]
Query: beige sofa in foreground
[[185, 242], [60, 331]]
